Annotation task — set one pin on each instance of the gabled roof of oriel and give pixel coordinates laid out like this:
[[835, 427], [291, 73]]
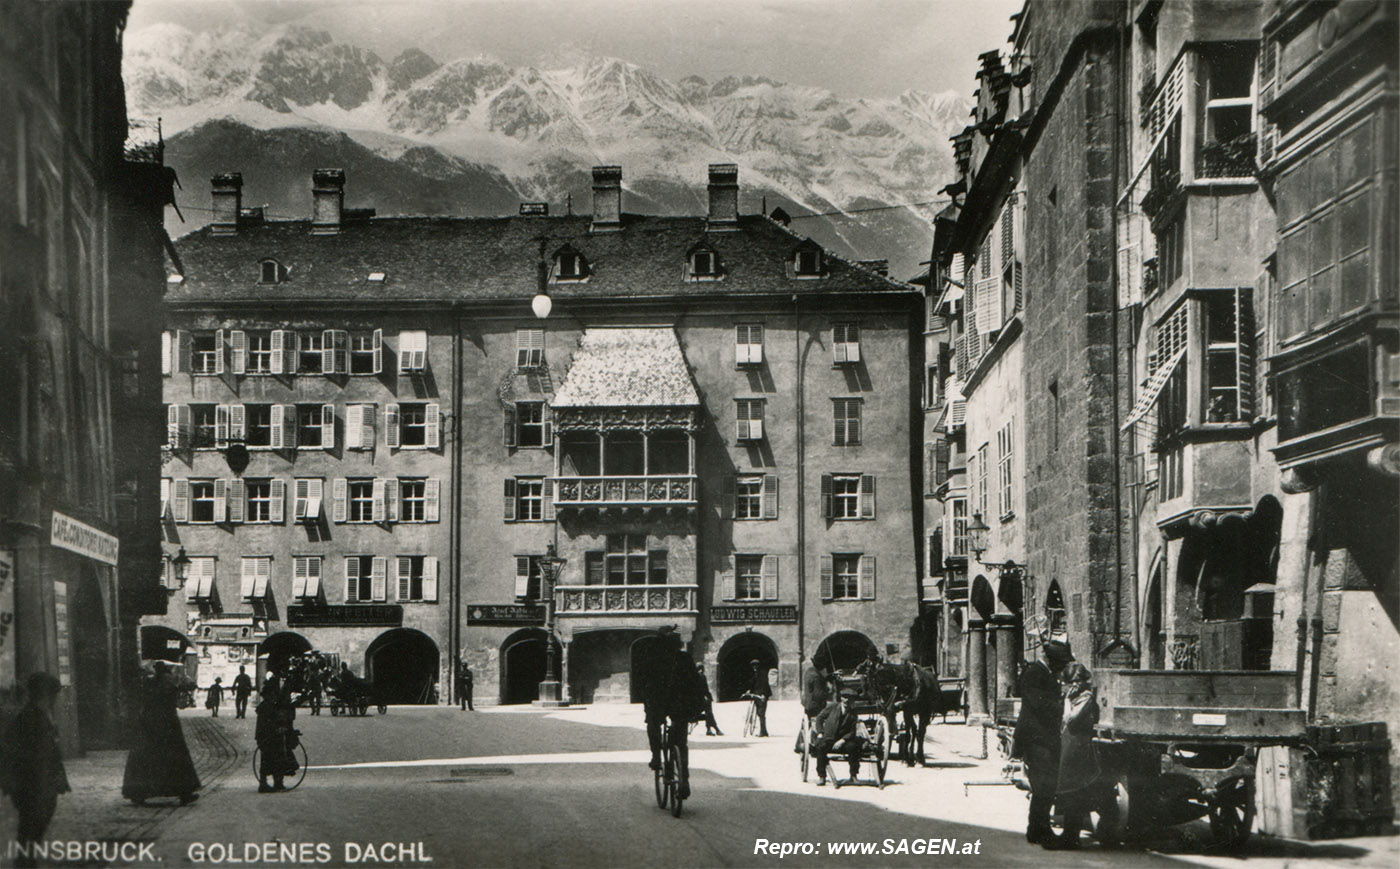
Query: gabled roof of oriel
[[627, 367], [497, 259]]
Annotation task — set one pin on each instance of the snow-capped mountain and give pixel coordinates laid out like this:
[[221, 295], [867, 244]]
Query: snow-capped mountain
[[474, 136]]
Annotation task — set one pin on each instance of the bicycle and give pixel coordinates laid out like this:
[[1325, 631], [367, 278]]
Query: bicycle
[[289, 783], [751, 719], [667, 780]]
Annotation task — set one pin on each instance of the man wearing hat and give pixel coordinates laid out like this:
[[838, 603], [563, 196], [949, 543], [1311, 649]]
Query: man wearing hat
[[1037, 736], [32, 769], [670, 688], [759, 692]]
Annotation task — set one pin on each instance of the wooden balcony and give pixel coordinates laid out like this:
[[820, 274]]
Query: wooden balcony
[[656, 490], [626, 600]]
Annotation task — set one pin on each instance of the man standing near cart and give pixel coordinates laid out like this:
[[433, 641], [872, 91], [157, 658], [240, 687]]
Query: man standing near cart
[[1036, 740]]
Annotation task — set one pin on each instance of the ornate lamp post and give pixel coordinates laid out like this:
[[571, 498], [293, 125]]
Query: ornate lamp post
[[977, 536], [550, 689], [181, 563]]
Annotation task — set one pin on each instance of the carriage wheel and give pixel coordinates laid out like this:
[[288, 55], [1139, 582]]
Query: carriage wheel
[[1232, 813], [882, 742], [804, 735], [289, 783], [1111, 825]]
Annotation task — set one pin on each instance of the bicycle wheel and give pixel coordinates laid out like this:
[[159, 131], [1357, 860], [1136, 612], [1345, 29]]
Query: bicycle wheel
[[805, 735], [751, 721], [673, 777], [289, 782], [663, 795]]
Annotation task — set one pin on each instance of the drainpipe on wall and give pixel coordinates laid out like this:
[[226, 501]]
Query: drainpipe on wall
[[454, 631], [800, 354]]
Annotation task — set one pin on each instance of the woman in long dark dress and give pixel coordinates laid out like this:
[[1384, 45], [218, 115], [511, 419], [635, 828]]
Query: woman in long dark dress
[[1079, 766], [276, 738], [159, 763]]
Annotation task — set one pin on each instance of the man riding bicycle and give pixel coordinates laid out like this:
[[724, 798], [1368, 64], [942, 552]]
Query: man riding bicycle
[[671, 689]]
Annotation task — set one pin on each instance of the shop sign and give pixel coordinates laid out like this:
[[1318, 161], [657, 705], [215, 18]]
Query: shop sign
[[345, 616], [68, 533], [753, 615], [7, 619], [505, 614]]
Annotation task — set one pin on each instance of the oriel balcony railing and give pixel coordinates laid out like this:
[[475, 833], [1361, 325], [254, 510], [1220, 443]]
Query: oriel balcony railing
[[587, 600], [619, 491]]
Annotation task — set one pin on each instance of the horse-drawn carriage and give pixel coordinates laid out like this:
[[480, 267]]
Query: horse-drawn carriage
[[872, 726], [349, 694]]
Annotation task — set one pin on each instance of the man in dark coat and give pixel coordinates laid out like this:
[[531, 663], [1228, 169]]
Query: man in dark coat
[[1037, 735], [276, 738], [31, 765], [759, 692], [159, 764], [464, 685], [816, 693], [1079, 768], [670, 689], [711, 725], [242, 687], [835, 729]]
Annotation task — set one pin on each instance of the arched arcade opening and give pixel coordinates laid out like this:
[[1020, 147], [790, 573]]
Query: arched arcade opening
[[734, 665], [403, 665], [845, 650], [523, 665]]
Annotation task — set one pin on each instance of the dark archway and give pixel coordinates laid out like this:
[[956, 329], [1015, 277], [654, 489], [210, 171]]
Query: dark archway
[[403, 665], [274, 651], [160, 643], [92, 674], [845, 650], [523, 665], [1154, 626], [734, 668]]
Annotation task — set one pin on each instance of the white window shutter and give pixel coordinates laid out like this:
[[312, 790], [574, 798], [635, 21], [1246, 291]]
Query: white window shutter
[[354, 425], [291, 351], [430, 578], [838, 346], [220, 501], [301, 494], [172, 426], [867, 496], [770, 577], [328, 351], [182, 500], [377, 342], [756, 349], [867, 577], [405, 575], [352, 578], [433, 435], [279, 343], [340, 495], [377, 508], [367, 427], [391, 499], [313, 576], [249, 578], [510, 499], [316, 492], [730, 580], [238, 344], [237, 418], [827, 511], [522, 577], [548, 437], [184, 352], [770, 496], [219, 352], [299, 572], [237, 498], [853, 346], [430, 500], [166, 365], [221, 415], [391, 426], [278, 432], [277, 510], [327, 426], [828, 581], [164, 497], [547, 499], [508, 432], [289, 426], [379, 579]]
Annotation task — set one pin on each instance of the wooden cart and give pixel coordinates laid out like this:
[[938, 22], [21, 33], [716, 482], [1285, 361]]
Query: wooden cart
[[1177, 745]]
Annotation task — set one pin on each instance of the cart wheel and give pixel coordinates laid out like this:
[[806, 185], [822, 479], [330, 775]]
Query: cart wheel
[[883, 740], [1232, 813], [805, 735], [1111, 825]]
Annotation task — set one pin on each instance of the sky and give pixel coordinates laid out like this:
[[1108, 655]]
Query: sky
[[856, 48]]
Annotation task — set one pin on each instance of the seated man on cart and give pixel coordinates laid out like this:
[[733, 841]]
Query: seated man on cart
[[837, 728]]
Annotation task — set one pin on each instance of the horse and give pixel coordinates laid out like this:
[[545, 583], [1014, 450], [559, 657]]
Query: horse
[[915, 691]]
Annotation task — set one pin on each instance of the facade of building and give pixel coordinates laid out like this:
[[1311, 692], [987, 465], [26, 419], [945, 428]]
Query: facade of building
[[697, 418], [1207, 356], [79, 289]]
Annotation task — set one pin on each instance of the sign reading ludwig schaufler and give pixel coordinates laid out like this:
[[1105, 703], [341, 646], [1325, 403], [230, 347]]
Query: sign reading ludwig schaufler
[[79, 537], [505, 614], [756, 615]]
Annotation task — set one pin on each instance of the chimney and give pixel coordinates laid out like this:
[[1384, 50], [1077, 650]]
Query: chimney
[[607, 198], [228, 200], [724, 195], [328, 200]]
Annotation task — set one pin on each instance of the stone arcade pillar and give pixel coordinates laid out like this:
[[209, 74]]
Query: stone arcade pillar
[[1007, 656], [976, 668]]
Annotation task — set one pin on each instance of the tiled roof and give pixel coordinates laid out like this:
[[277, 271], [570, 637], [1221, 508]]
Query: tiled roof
[[496, 258], [627, 367]]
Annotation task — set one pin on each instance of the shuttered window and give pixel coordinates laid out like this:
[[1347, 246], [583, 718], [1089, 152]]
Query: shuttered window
[[306, 578], [417, 578], [848, 576], [413, 351], [529, 348], [846, 421], [845, 343], [748, 344], [748, 413]]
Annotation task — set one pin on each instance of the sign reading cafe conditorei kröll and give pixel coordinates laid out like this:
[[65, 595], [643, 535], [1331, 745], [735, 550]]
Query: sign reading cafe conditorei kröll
[[68, 533]]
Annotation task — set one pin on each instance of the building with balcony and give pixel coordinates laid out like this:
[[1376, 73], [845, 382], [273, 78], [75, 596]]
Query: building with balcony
[[694, 413], [83, 252]]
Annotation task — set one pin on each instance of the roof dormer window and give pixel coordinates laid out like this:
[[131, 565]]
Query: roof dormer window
[[702, 264], [270, 272], [807, 261], [570, 265]]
